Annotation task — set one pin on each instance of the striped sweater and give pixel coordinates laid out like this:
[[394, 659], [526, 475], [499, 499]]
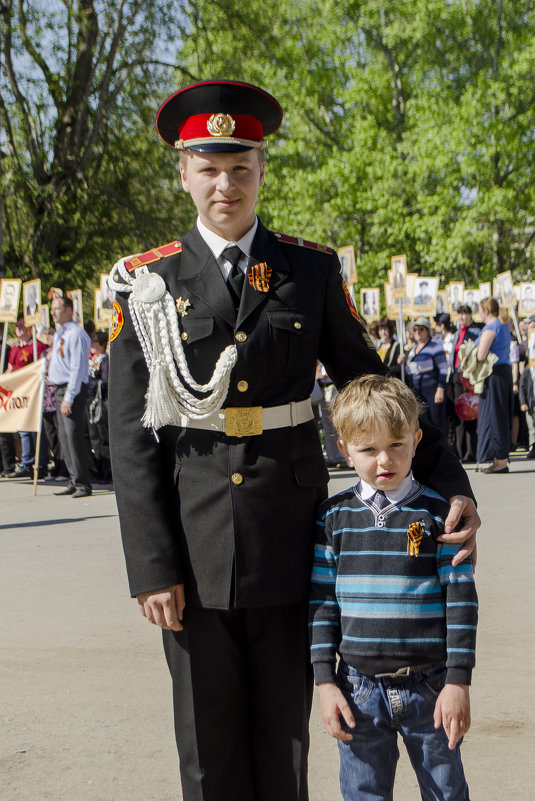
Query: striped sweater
[[374, 603]]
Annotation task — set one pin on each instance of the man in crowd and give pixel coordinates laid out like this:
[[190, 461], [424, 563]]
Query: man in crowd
[[20, 355], [217, 507], [68, 370]]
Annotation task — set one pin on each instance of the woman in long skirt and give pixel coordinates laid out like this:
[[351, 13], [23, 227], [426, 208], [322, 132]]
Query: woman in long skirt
[[496, 402]]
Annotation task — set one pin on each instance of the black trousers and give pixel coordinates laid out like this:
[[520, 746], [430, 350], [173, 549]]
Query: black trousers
[[72, 439], [242, 692]]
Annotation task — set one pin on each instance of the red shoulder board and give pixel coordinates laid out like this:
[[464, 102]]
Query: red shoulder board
[[153, 255], [296, 240]]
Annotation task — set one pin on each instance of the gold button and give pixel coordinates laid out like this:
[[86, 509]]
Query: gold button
[[243, 386], [237, 479], [184, 335], [297, 325], [240, 336]]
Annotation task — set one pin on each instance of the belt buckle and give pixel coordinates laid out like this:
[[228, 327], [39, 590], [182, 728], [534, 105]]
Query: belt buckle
[[401, 673], [243, 421]]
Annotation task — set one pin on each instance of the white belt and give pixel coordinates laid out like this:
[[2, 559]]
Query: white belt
[[248, 421]]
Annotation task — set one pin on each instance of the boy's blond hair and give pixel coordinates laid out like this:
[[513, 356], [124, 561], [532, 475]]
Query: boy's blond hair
[[371, 401]]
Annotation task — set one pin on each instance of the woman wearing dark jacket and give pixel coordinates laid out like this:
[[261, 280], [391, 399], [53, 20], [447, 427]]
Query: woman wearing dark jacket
[[389, 348]]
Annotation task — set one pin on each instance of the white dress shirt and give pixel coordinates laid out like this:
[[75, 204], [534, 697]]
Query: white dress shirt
[[217, 245]]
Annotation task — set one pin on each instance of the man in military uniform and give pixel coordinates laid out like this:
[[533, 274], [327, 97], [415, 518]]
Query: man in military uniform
[[215, 344]]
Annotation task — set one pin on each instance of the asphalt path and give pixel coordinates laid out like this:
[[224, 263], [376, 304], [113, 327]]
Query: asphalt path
[[85, 709]]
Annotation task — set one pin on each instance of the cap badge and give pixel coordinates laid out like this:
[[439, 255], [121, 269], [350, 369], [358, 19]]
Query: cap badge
[[182, 307], [221, 125]]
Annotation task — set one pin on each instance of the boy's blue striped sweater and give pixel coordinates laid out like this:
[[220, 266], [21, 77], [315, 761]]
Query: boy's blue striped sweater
[[375, 604]]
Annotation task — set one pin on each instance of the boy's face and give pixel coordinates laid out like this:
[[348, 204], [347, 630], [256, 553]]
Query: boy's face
[[380, 459], [224, 188]]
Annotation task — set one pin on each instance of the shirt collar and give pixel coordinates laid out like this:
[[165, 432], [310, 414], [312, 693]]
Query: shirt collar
[[217, 244], [366, 491]]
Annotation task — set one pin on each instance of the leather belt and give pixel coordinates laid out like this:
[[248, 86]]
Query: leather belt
[[249, 421]]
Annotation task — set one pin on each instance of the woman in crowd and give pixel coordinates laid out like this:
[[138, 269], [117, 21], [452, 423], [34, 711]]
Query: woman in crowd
[[427, 368], [496, 402], [389, 348]]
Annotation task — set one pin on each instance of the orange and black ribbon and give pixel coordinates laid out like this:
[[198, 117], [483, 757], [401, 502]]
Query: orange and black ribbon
[[258, 276], [415, 534]]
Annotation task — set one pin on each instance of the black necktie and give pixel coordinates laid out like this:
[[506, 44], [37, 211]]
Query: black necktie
[[235, 278], [380, 500]]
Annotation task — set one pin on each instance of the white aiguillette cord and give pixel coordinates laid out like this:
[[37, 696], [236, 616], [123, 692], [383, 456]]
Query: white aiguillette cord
[[155, 319]]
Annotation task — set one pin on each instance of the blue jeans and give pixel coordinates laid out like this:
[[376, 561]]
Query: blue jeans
[[28, 440], [382, 709]]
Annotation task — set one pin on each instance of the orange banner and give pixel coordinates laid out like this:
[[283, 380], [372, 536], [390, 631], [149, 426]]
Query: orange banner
[[21, 398]]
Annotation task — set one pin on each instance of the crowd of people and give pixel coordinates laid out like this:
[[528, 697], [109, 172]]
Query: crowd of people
[[74, 444], [441, 360], [484, 420]]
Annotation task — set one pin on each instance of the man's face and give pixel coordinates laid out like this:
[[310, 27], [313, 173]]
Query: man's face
[[9, 294], [224, 188], [60, 314]]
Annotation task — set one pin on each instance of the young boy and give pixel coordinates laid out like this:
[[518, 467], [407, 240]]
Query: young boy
[[387, 600]]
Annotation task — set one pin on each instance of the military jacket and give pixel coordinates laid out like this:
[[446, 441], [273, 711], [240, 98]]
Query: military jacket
[[233, 517]]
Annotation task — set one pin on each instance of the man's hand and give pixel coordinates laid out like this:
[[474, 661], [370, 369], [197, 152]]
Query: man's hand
[[452, 710], [66, 408], [462, 506], [333, 704], [164, 607]]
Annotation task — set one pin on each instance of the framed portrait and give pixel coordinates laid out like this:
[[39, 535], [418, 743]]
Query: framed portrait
[[101, 320], [472, 298], [389, 301], [107, 297], [455, 295], [369, 304], [424, 297], [44, 324], [441, 306], [504, 282], [9, 299], [31, 302], [346, 254], [399, 276], [77, 310], [484, 290], [526, 306]]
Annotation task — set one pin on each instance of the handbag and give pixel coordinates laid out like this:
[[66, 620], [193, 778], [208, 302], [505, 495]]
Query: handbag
[[96, 410]]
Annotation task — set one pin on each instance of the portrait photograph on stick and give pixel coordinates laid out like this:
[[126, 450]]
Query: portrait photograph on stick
[[9, 299], [31, 302]]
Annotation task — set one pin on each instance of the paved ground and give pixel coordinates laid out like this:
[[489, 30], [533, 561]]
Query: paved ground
[[85, 698]]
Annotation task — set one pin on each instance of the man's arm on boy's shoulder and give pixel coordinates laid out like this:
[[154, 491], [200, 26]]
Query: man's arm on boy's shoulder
[[437, 467]]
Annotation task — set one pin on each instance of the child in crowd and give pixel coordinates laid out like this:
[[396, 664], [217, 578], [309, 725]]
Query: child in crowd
[[386, 599]]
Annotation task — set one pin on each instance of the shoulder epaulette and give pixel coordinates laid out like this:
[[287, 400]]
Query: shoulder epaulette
[[296, 240], [153, 255]]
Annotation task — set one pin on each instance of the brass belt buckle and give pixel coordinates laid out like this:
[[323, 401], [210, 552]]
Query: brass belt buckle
[[243, 421]]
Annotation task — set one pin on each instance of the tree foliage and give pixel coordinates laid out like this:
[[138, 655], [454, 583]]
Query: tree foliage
[[408, 127]]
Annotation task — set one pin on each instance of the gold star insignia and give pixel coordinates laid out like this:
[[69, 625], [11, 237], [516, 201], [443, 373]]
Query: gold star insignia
[[182, 307]]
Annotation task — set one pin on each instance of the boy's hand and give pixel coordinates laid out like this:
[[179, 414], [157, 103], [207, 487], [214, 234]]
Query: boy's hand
[[452, 710], [333, 704]]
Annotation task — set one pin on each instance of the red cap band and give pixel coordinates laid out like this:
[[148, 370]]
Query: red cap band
[[212, 127]]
